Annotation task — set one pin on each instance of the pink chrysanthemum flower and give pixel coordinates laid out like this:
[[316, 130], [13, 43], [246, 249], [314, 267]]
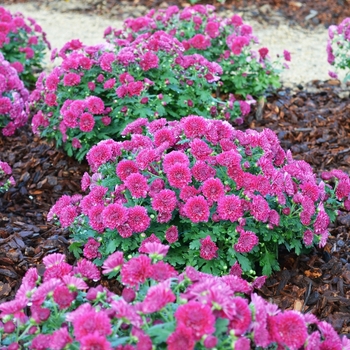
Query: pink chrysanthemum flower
[[95, 218], [113, 263], [13, 306], [57, 271], [246, 242], [125, 168], [136, 271], [197, 209], [164, 201], [157, 297], [41, 341], [87, 269], [179, 175], [74, 283], [194, 126], [89, 321], [60, 339], [164, 135], [230, 208], [63, 297], [196, 316], [146, 157], [155, 187], [172, 234], [260, 209], [86, 122], [156, 250], [41, 292], [188, 192], [148, 61], [236, 270], [201, 171], [71, 79], [114, 215], [242, 343], [200, 149], [308, 237], [200, 42], [161, 271], [68, 215], [138, 219], [126, 312], [311, 190], [95, 105], [98, 155], [213, 189], [151, 238], [291, 329], [173, 158], [95, 341], [137, 185], [242, 318], [322, 221], [91, 249], [53, 259], [181, 339], [208, 249]]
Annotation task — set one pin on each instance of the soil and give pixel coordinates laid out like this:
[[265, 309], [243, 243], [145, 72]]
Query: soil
[[312, 122]]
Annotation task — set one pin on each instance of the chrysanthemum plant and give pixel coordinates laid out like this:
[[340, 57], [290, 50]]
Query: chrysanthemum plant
[[338, 48], [97, 91], [23, 43], [158, 309], [6, 179], [218, 196], [228, 41], [13, 96]]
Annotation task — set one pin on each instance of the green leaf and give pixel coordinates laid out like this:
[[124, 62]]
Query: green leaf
[[244, 262], [75, 249], [221, 327], [160, 332], [111, 246], [195, 244]]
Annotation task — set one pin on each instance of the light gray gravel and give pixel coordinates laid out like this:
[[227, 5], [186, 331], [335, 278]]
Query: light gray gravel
[[309, 59]]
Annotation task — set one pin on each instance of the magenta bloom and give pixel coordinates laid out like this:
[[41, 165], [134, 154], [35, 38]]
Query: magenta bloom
[[87, 269], [290, 329], [148, 61], [213, 189], [208, 249], [200, 42], [174, 157], [201, 171], [136, 271], [260, 208], [287, 55], [181, 339], [63, 297], [114, 215], [196, 316], [230, 208], [197, 209], [164, 201], [91, 249], [200, 149], [242, 317], [98, 155], [172, 234], [86, 122], [137, 185], [179, 175], [246, 242], [162, 271], [151, 238], [95, 105], [156, 249], [71, 79], [138, 219], [113, 263], [95, 341], [157, 297], [125, 168]]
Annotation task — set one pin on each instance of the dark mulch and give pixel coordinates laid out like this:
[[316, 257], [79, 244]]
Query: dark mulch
[[312, 123]]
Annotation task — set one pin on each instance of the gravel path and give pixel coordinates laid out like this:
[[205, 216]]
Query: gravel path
[[309, 59]]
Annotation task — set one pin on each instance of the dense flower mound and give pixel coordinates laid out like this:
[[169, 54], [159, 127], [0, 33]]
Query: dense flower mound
[[338, 47], [97, 91], [23, 44], [216, 195], [158, 309], [228, 41], [13, 96], [6, 180]]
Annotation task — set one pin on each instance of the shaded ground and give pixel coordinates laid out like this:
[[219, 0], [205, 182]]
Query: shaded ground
[[313, 124]]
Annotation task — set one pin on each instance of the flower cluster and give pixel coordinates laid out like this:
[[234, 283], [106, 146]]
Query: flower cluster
[[6, 180], [98, 90], [227, 41], [23, 44], [338, 47], [157, 309], [215, 194], [13, 96]]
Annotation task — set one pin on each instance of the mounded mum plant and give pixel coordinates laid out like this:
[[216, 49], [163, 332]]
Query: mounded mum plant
[[338, 47], [6, 180], [218, 196], [228, 41], [97, 91], [23, 43], [158, 309], [13, 96]]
